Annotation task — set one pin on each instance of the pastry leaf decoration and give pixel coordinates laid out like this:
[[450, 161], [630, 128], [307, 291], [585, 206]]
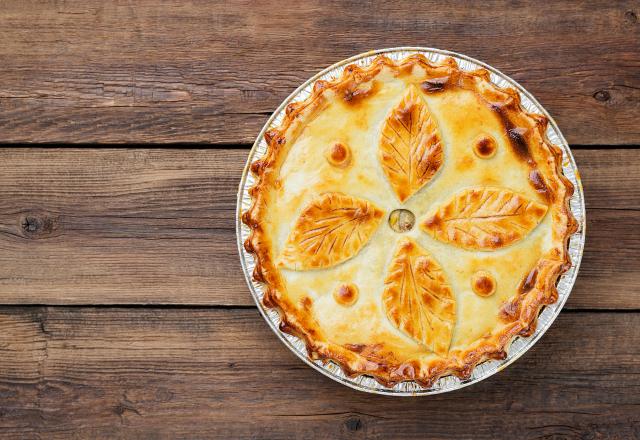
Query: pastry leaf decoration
[[417, 298], [332, 228], [410, 148], [484, 219]]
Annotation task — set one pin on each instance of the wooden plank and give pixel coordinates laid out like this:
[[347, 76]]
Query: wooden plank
[[211, 72], [139, 226], [192, 373]]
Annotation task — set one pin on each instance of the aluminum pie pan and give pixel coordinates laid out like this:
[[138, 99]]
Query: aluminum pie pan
[[519, 345]]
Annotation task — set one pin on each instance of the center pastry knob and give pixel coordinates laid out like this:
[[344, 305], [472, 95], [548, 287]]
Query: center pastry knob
[[402, 220]]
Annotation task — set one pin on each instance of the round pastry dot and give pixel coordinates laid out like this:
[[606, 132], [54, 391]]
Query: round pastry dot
[[485, 147], [401, 220], [339, 155], [346, 294], [483, 283]]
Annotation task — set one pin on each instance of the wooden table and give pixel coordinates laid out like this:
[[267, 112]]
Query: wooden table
[[124, 310]]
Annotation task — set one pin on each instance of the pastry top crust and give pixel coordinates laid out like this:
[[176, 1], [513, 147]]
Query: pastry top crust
[[415, 302]]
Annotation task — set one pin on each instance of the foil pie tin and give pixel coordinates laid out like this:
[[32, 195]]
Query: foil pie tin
[[519, 345]]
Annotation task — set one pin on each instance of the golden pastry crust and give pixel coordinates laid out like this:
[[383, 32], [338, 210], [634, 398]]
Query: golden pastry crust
[[332, 228], [524, 132], [410, 146], [485, 218], [418, 298]]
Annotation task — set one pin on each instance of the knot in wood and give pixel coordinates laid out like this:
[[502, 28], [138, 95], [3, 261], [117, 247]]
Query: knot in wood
[[353, 424], [602, 96], [37, 224]]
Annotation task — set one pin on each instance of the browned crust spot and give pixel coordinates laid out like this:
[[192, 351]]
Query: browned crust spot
[[356, 90], [527, 131], [529, 281], [306, 303], [483, 283], [520, 312], [346, 294], [537, 181], [485, 147], [433, 85], [339, 155]]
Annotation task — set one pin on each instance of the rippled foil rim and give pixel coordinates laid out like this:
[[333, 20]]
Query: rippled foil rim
[[520, 344]]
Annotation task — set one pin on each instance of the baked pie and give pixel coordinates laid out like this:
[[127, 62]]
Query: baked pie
[[409, 219]]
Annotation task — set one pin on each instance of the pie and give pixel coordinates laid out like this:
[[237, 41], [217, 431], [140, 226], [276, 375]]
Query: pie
[[409, 219]]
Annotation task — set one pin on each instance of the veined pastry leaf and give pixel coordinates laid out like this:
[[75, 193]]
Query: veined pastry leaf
[[484, 218], [332, 228], [417, 298], [410, 149]]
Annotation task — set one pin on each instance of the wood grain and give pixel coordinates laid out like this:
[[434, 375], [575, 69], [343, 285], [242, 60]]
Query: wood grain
[[211, 72], [121, 226], [87, 226], [192, 373]]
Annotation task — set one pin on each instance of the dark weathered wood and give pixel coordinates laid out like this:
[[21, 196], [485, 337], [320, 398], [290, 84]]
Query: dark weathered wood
[[144, 373], [141, 226], [200, 71]]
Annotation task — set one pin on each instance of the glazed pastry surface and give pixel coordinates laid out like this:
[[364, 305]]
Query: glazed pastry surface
[[409, 220]]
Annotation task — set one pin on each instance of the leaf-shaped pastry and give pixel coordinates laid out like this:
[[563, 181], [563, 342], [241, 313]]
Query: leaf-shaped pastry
[[417, 298], [332, 228], [484, 218], [410, 149]]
